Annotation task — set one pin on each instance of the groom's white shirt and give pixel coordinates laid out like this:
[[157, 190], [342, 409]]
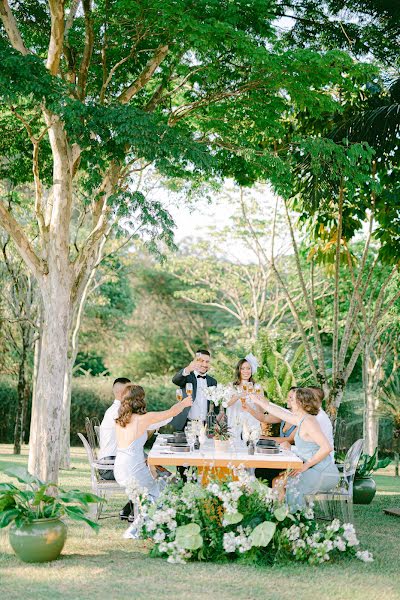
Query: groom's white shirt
[[198, 410], [108, 439]]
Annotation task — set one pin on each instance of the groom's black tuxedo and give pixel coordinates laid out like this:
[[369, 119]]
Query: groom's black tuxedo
[[181, 380]]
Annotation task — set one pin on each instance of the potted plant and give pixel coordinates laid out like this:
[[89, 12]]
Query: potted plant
[[37, 533], [364, 486], [221, 435]]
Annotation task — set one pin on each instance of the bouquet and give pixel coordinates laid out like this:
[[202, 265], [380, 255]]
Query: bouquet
[[219, 394]]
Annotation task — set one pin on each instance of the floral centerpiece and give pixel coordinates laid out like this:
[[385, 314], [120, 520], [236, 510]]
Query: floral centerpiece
[[238, 520], [219, 394]]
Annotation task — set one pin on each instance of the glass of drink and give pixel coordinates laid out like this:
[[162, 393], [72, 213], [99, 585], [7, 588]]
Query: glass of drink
[[179, 395], [245, 386], [257, 388], [189, 389], [250, 387]]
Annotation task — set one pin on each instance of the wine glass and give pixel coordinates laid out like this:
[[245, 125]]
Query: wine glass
[[179, 395], [245, 386], [250, 387], [257, 388], [189, 389]]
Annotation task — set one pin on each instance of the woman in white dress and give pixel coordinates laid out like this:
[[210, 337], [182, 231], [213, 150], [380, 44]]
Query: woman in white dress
[[235, 413], [132, 425]]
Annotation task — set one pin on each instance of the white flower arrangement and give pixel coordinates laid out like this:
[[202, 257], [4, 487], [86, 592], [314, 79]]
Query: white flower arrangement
[[188, 516], [219, 394]]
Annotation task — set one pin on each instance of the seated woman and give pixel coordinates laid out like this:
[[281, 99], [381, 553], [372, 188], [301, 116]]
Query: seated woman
[[132, 425], [235, 412], [318, 473]]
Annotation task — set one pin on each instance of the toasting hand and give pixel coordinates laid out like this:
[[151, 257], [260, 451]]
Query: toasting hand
[[186, 402]]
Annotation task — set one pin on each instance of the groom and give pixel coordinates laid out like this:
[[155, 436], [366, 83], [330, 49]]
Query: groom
[[195, 373]]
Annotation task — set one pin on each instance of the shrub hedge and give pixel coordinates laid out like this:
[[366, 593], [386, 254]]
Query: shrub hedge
[[91, 396]]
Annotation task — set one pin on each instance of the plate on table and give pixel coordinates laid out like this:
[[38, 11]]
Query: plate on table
[[176, 440], [267, 443], [179, 447], [267, 450]]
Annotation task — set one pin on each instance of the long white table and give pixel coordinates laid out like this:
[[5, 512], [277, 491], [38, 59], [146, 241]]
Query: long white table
[[207, 456]]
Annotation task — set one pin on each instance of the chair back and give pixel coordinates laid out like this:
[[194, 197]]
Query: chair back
[[97, 432], [352, 458], [93, 471], [91, 436]]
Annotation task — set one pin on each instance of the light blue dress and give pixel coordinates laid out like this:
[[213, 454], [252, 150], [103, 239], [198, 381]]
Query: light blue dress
[[322, 477], [288, 432], [130, 464]]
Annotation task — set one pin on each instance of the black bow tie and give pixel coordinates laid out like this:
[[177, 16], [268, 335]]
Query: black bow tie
[[201, 377]]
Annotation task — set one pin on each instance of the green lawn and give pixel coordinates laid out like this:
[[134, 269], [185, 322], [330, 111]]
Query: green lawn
[[107, 566]]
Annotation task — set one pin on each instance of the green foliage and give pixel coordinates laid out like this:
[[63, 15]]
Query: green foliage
[[221, 430], [38, 500], [280, 368], [89, 363], [237, 520], [367, 464]]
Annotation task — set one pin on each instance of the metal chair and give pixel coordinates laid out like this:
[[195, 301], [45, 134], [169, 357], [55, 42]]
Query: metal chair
[[100, 487], [339, 502]]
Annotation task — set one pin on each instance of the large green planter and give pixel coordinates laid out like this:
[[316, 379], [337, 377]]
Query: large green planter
[[364, 490], [39, 541]]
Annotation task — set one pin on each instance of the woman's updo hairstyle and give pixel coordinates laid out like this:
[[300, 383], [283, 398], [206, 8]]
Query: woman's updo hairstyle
[[307, 400], [132, 403]]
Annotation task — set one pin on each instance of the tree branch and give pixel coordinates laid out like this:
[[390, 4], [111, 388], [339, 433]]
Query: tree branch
[[88, 49], [13, 228], [11, 27], [145, 75], [56, 36]]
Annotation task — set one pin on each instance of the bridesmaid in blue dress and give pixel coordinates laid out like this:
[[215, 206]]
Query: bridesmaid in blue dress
[[318, 473], [132, 425]]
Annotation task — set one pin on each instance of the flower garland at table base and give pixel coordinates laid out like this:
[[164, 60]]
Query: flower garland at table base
[[237, 520]]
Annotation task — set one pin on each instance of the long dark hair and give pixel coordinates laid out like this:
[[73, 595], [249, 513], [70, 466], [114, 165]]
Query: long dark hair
[[238, 380]]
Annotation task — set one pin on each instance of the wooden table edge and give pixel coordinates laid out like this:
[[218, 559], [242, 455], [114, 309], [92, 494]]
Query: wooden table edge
[[180, 461]]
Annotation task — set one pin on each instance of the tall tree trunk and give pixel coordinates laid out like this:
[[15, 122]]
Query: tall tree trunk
[[371, 420], [65, 442], [44, 453], [21, 387]]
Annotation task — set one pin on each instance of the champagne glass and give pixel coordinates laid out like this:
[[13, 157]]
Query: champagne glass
[[250, 387], [179, 395], [257, 388], [245, 386], [189, 389]]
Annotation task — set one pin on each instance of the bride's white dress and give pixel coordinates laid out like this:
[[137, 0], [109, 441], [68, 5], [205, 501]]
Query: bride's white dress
[[237, 416]]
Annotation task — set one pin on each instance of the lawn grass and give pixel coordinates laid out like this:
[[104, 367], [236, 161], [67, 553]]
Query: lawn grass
[[107, 566]]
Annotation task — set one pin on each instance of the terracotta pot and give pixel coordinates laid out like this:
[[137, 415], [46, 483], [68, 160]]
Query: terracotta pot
[[364, 489], [41, 540]]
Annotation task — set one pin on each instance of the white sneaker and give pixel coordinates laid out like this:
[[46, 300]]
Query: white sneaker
[[131, 533]]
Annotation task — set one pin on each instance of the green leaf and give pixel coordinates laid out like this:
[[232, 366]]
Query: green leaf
[[263, 534], [232, 518], [281, 513], [23, 475], [7, 516], [188, 536]]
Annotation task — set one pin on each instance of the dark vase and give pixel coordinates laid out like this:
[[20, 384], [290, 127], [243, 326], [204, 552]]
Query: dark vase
[[364, 490], [39, 541]]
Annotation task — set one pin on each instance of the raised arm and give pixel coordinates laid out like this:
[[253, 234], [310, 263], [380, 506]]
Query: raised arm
[[281, 413], [156, 417]]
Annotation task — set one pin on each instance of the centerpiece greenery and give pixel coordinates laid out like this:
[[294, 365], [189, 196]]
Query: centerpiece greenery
[[34, 511], [238, 520]]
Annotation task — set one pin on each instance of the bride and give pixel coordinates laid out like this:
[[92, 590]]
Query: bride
[[132, 425], [243, 385]]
